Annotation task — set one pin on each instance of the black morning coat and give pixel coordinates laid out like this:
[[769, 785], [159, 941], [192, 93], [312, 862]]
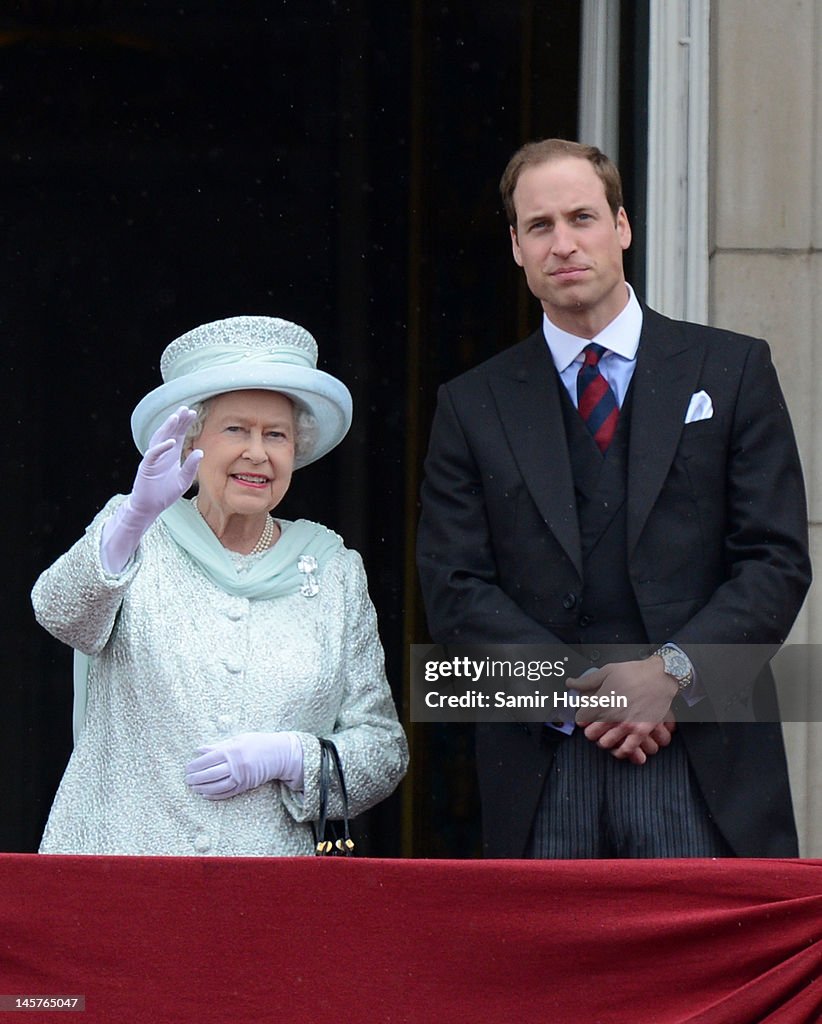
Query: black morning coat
[[716, 550]]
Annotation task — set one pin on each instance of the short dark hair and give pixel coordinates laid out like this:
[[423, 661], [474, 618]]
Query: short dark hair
[[540, 152]]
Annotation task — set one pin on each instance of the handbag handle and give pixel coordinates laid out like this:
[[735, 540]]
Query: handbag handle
[[330, 755]]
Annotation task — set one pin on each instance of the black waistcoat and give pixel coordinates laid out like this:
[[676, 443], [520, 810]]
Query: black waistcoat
[[608, 611]]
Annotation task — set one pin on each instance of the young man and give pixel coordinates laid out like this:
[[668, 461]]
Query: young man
[[619, 478]]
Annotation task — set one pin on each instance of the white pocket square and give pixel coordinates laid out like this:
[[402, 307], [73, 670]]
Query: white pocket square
[[699, 408]]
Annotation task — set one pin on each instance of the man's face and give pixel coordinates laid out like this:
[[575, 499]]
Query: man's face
[[570, 245]]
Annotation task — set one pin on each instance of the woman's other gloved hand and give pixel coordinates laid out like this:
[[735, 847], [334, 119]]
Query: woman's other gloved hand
[[244, 762]]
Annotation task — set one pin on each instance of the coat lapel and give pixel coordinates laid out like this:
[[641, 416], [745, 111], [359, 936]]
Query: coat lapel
[[528, 402], [666, 375]]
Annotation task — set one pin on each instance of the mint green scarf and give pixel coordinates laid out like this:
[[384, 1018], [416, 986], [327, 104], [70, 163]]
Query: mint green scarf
[[277, 573]]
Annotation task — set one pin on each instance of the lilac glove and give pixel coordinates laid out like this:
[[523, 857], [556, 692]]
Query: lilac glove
[[160, 481], [245, 761]]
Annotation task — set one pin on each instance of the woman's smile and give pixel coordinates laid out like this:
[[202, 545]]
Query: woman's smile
[[250, 480]]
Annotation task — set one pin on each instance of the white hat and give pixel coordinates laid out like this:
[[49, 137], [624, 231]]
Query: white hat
[[245, 353]]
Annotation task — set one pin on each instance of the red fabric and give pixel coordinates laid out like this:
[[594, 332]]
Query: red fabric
[[414, 942]]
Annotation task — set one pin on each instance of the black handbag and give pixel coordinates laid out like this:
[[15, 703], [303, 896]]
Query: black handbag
[[326, 838]]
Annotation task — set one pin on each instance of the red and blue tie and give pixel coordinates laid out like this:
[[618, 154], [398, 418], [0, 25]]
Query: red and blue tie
[[595, 400]]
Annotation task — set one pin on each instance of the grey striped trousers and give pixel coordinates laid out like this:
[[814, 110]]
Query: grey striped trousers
[[596, 806]]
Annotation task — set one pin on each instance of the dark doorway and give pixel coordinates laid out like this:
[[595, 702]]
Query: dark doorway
[[334, 164]]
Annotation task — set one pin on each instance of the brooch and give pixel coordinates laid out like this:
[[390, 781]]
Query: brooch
[[307, 565]]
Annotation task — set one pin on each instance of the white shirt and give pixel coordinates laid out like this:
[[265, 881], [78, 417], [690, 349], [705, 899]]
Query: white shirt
[[620, 339]]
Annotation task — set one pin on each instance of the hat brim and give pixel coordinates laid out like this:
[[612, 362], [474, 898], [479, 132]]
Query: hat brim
[[326, 398]]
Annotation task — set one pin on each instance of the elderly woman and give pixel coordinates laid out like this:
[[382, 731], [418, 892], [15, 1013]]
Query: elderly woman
[[218, 643]]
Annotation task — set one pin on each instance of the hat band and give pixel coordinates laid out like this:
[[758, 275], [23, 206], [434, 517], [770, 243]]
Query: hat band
[[226, 355]]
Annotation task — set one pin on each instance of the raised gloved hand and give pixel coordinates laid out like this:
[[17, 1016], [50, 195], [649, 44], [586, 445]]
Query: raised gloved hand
[[232, 766], [161, 479]]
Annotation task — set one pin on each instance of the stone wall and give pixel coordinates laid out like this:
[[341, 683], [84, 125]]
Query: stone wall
[[766, 265]]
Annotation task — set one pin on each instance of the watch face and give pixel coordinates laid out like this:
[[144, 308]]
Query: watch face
[[676, 664]]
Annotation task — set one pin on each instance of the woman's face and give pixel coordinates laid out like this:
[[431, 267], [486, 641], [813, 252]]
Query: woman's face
[[248, 445]]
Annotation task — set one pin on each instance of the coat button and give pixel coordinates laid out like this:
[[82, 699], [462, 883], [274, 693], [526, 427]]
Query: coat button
[[569, 601], [585, 620], [202, 843]]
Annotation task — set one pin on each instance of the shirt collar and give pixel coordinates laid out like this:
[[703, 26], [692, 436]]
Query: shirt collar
[[621, 336]]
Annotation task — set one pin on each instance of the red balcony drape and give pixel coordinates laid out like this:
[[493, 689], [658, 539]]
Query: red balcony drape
[[414, 942]]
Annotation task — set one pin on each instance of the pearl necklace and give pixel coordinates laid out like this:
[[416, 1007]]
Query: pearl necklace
[[266, 537]]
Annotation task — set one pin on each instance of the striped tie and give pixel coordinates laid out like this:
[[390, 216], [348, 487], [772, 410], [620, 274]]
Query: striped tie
[[595, 400]]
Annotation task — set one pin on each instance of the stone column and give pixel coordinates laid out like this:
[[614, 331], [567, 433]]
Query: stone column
[[765, 267]]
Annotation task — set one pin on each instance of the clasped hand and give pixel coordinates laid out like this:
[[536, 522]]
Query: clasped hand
[[649, 691], [245, 761]]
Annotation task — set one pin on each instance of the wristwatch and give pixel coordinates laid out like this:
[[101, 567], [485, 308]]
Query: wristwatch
[[676, 665]]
